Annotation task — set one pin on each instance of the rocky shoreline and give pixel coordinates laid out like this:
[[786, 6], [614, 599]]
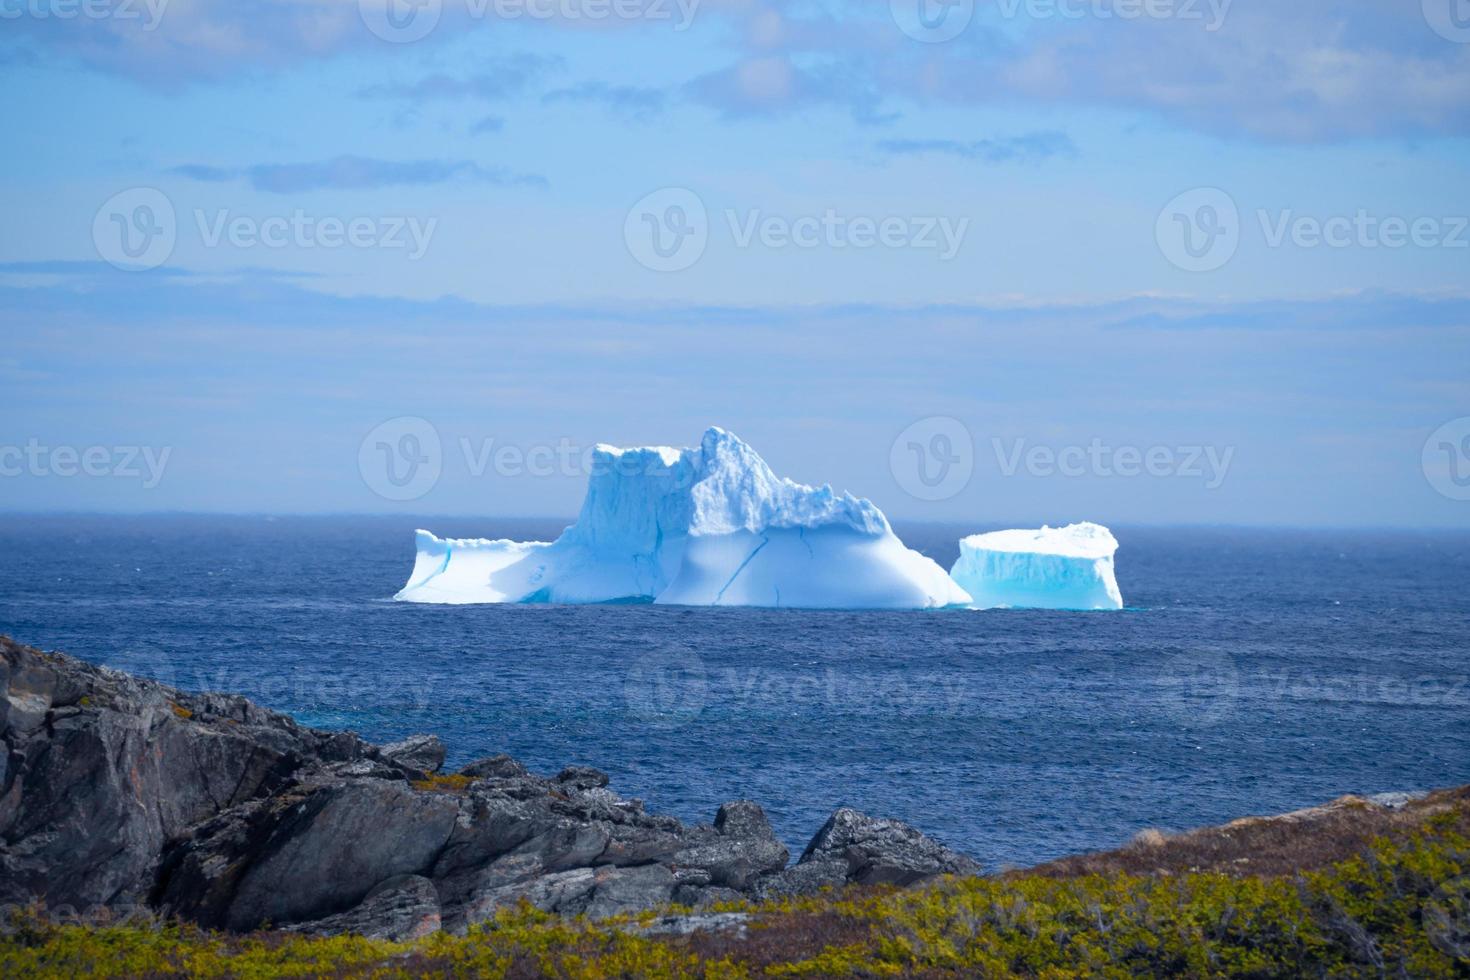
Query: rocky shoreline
[[122, 793]]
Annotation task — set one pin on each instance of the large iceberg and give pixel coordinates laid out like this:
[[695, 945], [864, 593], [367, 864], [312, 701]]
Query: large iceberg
[[1053, 568], [709, 526]]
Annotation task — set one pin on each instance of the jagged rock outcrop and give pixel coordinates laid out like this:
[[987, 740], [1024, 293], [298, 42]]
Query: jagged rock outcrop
[[117, 791], [854, 847], [399, 908]]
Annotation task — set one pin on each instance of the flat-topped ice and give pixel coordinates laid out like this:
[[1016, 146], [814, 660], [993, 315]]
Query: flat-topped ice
[[1048, 568], [710, 525], [1075, 541]]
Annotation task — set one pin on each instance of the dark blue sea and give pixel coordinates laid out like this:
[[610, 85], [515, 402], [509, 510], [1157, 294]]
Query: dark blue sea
[[1255, 671]]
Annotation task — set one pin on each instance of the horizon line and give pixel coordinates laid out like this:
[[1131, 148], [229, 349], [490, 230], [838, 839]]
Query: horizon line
[[937, 522]]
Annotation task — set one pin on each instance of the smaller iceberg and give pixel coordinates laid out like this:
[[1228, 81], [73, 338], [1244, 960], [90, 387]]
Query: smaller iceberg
[[1053, 568]]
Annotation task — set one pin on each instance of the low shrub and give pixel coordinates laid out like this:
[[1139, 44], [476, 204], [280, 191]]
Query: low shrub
[[1399, 908]]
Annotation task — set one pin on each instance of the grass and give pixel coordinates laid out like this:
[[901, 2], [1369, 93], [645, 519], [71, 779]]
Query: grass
[[1399, 907]]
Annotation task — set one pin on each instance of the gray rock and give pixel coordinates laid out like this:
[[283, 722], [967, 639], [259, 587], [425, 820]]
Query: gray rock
[[327, 852], [515, 878], [702, 897], [400, 908], [687, 925], [116, 767], [1396, 801], [313, 850], [417, 753], [621, 890], [803, 878], [871, 851], [594, 892], [583, 777], [741, 849], [500, 766], [116, 791], [743, 819]]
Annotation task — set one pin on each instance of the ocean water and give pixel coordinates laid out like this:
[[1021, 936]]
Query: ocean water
[[1255, 671]]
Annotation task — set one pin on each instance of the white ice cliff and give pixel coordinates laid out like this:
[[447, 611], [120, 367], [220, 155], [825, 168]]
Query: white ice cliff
[[710, 526], [1053, 568]]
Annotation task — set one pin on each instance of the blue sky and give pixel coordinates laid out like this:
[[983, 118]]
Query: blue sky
[[1230, 230]]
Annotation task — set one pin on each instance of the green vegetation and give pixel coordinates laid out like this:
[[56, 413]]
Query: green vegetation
[[443, 783], [1400, 908]]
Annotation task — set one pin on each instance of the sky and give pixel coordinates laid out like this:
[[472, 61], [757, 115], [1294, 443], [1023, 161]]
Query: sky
[[1000, 261]]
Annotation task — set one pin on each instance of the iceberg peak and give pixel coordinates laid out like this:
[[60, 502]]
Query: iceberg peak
[[736, 490]]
